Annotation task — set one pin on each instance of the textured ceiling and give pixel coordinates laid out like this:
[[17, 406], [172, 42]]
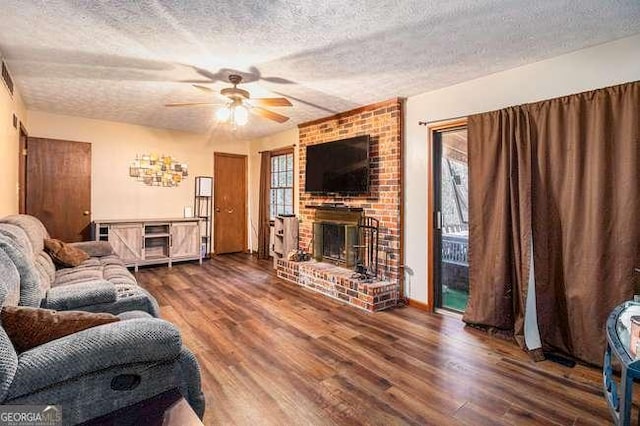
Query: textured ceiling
[[122, 60]]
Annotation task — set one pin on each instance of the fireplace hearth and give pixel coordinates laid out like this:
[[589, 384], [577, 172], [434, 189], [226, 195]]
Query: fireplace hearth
[[340, 284]]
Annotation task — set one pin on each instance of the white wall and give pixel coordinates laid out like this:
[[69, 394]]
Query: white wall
[[9, 144], [587, 69], [269, 143], [115, 195]]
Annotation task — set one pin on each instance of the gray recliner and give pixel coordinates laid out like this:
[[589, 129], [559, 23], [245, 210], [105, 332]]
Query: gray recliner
[[100, 284], [98, 370]]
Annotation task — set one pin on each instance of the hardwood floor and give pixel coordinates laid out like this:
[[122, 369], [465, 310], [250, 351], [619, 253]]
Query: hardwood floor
[[274, 353]]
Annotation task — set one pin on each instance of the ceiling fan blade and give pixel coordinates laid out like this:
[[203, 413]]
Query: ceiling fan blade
[[269, 114], [273, 102], [203, 88], [213, 77], [278, 80], [193, 80], [311, 104], [191, 104]]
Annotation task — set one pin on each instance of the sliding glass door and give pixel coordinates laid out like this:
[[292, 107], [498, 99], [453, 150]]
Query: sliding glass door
[[451, 218]]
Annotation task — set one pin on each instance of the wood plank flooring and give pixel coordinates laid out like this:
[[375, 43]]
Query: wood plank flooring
[[275, 354]]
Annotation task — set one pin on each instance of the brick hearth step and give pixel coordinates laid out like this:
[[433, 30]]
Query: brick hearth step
[[339, 283]]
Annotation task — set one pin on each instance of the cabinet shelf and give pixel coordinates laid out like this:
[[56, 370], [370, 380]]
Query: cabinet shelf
[[158, 235], [285, 232], [156, 257]]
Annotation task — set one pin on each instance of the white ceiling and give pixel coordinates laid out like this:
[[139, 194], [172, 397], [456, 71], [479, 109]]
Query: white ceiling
[[122, 60]]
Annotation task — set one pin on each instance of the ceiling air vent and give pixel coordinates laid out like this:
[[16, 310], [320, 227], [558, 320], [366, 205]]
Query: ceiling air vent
[[7, 78]]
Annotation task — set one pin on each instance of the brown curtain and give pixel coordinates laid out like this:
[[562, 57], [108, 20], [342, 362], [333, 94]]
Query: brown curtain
[[499, 219], [581, 166], [264, 227]]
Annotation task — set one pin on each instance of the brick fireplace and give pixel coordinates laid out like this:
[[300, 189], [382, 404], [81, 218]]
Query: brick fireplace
[[383, 123]]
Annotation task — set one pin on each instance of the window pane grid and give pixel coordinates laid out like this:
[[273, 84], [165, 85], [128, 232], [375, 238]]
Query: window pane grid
[[281, 194]]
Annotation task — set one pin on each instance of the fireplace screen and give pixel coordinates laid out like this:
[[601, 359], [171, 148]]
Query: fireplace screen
[[334, 243]]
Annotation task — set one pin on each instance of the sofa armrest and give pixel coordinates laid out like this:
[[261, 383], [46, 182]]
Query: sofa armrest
[[89, 351], [94, 248], [74, 296]]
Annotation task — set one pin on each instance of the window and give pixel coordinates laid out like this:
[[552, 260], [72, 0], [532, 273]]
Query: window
[[281, 197]]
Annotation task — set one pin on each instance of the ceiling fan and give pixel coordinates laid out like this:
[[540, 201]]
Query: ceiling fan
[[236, 110]]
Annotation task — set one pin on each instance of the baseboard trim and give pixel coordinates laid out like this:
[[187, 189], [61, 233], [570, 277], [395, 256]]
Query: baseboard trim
[[420, 305]]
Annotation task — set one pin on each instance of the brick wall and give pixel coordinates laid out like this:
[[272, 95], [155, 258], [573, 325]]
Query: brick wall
[[383, 122]]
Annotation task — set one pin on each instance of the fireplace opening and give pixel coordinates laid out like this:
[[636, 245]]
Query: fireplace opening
[[335, 235], [333, 243]]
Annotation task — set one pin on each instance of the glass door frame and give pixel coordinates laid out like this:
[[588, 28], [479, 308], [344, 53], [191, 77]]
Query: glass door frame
[[434, 216]]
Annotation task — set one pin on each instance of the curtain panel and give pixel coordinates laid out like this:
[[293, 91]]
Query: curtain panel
[[563, 174], [264, 227], [499, 219]]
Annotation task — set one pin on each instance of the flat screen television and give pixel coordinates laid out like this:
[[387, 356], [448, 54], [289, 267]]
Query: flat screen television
[[340, 167]]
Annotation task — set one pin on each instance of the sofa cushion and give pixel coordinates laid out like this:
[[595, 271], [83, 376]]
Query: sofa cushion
[[78, 274], [31, 291], [81, 295], [34, 229], [31, 327], [8, 364], [110, 268], [44, 263], [134, 315], [64, 254], [17, 235], [10, 285], [9, 296]]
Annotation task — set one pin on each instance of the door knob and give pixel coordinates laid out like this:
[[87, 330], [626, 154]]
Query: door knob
[[217, 209], [86, 213]]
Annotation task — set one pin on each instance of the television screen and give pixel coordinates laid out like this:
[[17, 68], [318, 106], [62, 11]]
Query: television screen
[[338, 167]]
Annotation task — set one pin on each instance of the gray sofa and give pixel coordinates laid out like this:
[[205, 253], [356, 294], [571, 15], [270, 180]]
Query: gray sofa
[[95, 371], [98, 370], [100, 284]]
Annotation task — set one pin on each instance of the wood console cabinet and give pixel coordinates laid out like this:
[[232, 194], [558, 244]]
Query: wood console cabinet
[[153, 241]]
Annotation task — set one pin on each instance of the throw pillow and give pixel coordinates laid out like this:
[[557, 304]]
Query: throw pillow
[[94, 248], [30, 327], [64, 254]]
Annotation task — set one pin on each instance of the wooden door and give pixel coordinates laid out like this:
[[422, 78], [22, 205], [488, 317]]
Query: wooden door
[[229, 203], [58, 186]]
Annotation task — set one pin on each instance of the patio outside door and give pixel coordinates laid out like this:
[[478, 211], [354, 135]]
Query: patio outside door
[[451, 218]]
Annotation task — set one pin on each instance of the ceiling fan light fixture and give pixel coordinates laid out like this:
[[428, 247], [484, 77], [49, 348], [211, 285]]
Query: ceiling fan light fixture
[[239, 104], [223, 114], [240, 115]]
